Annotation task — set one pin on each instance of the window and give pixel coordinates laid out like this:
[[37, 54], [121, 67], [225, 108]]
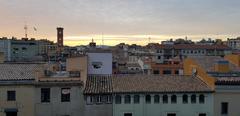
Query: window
[[156, 99], [109, 99], [173, 99], [24, 48], [98, 98], [127, 114], [193, 99], [127, 99], [11, 113], [201, 99], [202, 114], [65, 95], [45, 94], [165, 99], [185, 99], [11, 95], [90, 99], [159, 57], [176, 72], [118, 99], [148, 99], [167, 72], [74, 73], [224, 108], [136, 99], [171, 114], [155, 71], [104, 98]]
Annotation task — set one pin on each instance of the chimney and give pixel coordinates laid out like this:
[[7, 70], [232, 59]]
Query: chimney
[[222, 66]]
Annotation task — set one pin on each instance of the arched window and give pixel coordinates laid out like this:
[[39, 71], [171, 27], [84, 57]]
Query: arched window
[[193, 99], [156, 99], [127, 99], [118, 99], [148, 99], [165, 99], [174, 99], [185, 98], [136, 99], [201, 99]]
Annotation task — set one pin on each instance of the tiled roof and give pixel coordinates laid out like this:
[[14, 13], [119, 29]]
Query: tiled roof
[[228, 81], [208, 62], [146, 83], [98, 84], [10, 72]]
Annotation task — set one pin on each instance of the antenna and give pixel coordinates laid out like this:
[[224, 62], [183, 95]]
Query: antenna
[[25, 28], [102, 39], [149, 38]]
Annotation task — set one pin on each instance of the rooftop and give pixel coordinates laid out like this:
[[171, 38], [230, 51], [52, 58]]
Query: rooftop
[[192, 46], [155, 83], [228, 81], [24, 71], [98, 84], [208, 62], [144, 84]]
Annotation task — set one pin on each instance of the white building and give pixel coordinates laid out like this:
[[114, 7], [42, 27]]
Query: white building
[[100, 63]]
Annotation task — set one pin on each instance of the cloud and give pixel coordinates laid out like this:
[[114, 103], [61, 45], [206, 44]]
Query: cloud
[[121, 17]]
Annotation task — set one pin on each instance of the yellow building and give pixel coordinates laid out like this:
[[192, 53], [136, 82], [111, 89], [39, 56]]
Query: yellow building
[[223, 74], [233, 58], [79, 63], [17, 89]]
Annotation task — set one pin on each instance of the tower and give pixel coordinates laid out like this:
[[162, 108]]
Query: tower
[[92, 44], [60, 37]]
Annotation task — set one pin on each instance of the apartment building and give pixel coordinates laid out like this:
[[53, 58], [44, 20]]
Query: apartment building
[[148, 95], [165, 52], [25, 49], [221, 75], [234, 43], [17, 89]]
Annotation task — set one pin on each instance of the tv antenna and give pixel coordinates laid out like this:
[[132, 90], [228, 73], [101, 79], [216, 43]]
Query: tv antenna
[[25, 28], [149, 39]]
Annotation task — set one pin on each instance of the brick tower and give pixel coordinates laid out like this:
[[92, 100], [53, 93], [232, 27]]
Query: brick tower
[[60, 38]]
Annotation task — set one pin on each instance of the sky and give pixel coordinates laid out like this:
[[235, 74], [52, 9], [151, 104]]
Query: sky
[[116, 21]]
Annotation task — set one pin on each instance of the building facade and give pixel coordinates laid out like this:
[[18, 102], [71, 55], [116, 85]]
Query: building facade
[[234, 43], [226, 97], [165, 52], [24, 49], [149, 96], [99, 63]]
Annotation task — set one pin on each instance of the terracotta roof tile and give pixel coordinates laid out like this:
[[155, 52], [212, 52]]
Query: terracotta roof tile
[[9, 72], [146, 83], [98, 84]]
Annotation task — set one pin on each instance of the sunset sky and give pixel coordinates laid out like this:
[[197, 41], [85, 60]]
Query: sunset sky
[[129, 21]]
